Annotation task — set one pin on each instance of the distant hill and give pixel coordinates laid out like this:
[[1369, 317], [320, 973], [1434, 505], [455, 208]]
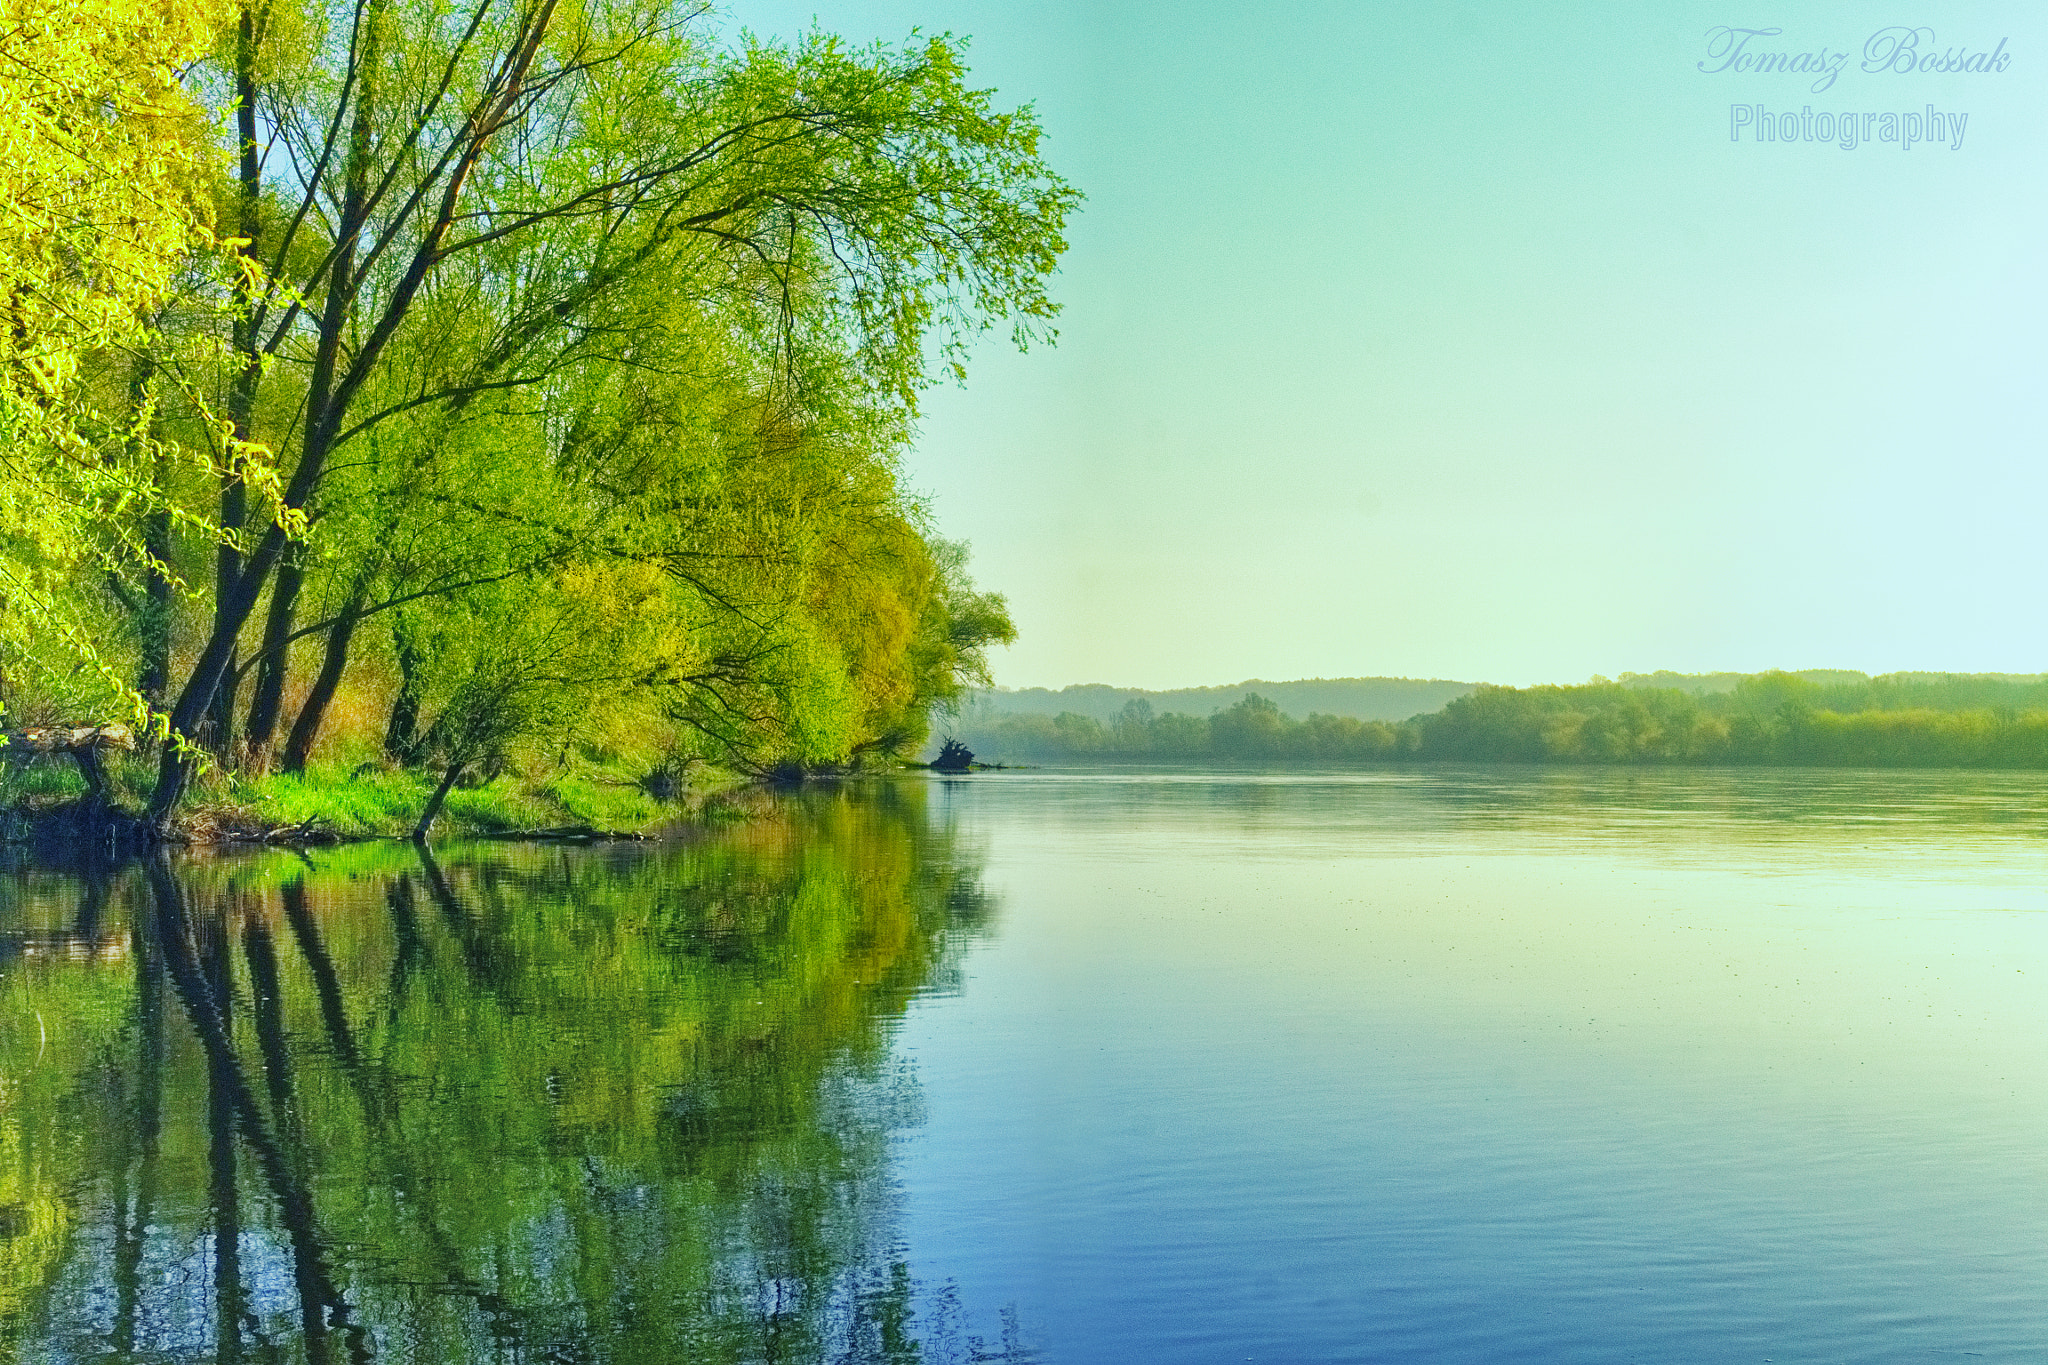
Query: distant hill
[[1387, 699]]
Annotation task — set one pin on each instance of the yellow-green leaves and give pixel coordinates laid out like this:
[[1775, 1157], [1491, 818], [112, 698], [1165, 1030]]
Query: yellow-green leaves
[[103, 160], [102, 164]]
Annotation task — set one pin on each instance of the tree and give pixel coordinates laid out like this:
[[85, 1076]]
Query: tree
[[1251, 729], [1133, 727], [520, 674], [551, 173]]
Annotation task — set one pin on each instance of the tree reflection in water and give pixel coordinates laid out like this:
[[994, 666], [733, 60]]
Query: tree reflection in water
[[503, 1103]]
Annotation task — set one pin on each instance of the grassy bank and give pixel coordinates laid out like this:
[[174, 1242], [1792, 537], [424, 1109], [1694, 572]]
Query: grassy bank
[[365, 802]]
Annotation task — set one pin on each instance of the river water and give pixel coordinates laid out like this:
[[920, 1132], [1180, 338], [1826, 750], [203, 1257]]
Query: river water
[[1474, 1065]]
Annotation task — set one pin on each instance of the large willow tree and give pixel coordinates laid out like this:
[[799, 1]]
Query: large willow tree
[[510, 223], [575, 318]]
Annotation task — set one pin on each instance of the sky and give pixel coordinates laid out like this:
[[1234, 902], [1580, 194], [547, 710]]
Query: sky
[[1480, 341]]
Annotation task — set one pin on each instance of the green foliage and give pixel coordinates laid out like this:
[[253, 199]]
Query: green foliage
[[1387, 699], [105, 161], [585, 339], [628, 1104], [1254, 729], [1765, 718], [1898, 721]]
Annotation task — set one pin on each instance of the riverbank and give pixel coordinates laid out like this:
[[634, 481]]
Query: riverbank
[[43, 804]]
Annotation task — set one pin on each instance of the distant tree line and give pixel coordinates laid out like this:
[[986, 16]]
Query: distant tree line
[[1255, 728], [1902, 721], [1389, 699]]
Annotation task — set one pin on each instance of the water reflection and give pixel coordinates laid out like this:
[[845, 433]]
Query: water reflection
[[1501, 1065], [623, 1104], [1624, 810]]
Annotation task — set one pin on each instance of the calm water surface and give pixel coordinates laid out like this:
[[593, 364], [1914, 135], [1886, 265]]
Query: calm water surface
[[1481, 1065]]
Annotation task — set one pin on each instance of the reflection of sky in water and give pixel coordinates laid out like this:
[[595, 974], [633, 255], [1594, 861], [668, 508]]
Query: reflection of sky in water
[[176, 1320], [1435, 1065], [1499, 1064]]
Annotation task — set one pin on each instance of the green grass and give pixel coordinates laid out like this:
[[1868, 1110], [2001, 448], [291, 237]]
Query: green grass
[[369, 804], [389, 803], [604, 802], [43, 782], [363, 801]]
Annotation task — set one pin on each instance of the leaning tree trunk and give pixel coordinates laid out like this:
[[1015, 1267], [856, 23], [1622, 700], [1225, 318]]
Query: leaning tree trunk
[[268, 700], [427, 816], [220, 712], [333, 663], [229, 564]]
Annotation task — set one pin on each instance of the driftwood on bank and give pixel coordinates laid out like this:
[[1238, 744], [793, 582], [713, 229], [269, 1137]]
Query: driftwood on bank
[[954, 757], [83, 743], [563, 834]]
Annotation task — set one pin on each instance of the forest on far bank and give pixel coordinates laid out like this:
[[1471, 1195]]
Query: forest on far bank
[[1840, 720], [1361, 698]]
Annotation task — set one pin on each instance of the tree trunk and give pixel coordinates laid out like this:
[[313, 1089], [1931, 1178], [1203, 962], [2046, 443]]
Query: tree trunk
[[175, 770], [313, 713], [220, 713], [342, 360], [234, 493], [322, 415], [271, 665], [402, 735], [448, 780]]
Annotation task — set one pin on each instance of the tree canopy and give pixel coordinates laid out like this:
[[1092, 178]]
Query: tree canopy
[[472, 376], [104, 163]]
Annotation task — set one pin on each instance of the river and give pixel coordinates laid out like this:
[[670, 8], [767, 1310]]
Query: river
[[1444, 1065]]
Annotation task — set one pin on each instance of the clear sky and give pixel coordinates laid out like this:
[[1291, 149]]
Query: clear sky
[[1461, 340]]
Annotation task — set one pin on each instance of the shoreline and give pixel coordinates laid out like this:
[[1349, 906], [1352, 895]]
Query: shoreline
[[332, 809]]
